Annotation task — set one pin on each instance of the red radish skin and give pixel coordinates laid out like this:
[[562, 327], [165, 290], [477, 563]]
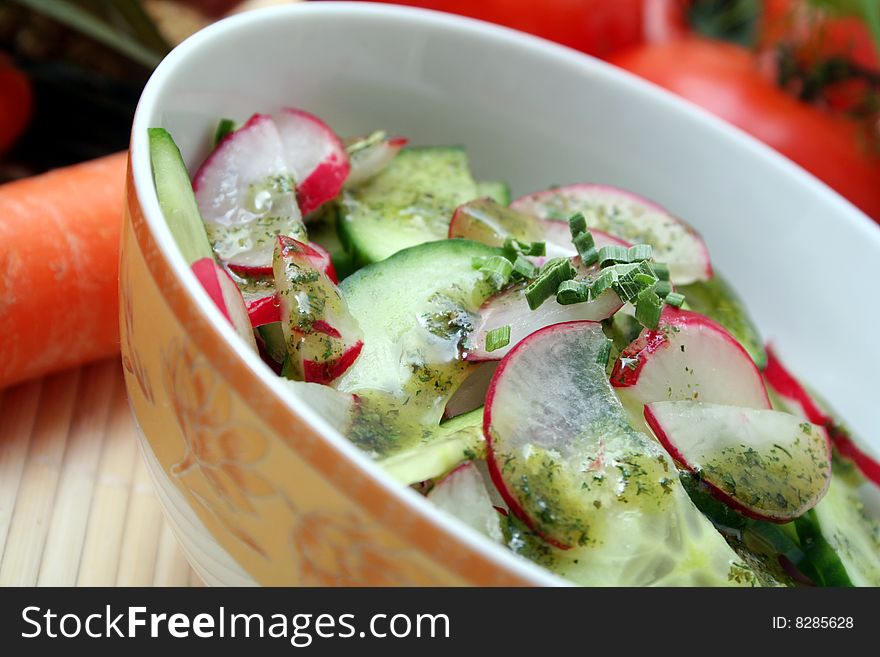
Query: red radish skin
[[537, 203], [785, 385], [322, 336], [632, 361], [369, 162], [226, 296], [317, 252], [264, 310], [315, 154], [326, 372], [670, 446]]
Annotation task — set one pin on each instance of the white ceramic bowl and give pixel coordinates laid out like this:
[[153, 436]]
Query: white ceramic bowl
[[534, 114]]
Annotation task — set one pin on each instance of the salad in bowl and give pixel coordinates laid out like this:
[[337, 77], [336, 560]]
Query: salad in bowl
[[566, 373]]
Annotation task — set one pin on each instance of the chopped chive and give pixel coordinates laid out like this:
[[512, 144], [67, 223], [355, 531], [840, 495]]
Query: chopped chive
[[571, 291], [602, 282], [524, 267], [663, 288], [498, 338], [648, 306], [224, 128], [643, 279], [497, 269], [661, 270], [586, 248], [613, 254], [513, 246], [548, 281], [640, 252], [675, 299], [577, 224]]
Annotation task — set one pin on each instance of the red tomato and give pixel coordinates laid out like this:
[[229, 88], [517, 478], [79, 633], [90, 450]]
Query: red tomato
[[597, 27], [16, 101], [724, 79], [817, 36]]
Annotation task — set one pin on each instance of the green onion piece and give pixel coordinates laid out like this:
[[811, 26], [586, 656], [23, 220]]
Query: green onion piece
[[577, 224], [513, 246], [661, 270], [613, 254], [571, 291], [645, 280], [640, 252], [548, 281], [498, 338], [224, 128], [586, 248], [498, 270], [524, 267], [648, 306], [602, 282], [675, 299], [663, 288]]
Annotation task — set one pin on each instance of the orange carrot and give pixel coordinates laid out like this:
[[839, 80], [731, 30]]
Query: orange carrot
[[59, 252]]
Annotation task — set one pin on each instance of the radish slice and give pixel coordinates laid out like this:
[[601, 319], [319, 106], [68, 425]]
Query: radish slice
[[688, 358], [485, 220], [369, 155], [798, 401], [315, 156], [463, 494], [510, 308], [765, 464], [226, 295], [629, 217], [561, 452], [323, 339], [317, 254], [245, 193], [263, 310]]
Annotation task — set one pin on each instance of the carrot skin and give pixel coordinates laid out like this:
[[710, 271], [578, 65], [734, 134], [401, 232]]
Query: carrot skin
[[59, 268]]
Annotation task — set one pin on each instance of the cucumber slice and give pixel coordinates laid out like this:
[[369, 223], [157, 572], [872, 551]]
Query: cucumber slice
[[323, 231], [497, 190], [850, 531], [717, 300], [413, 321], [457, 440], [409, 202], [176, 197]]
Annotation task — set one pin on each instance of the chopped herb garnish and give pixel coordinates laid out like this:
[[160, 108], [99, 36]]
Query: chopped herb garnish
[[572, 291], [661, 270], [524, 267], [675, 299], [497, 269], [498, 338], [663, 288], [639, 252], [577, 224], [513, 247], [547, 283], [648, 306], [613, 254]]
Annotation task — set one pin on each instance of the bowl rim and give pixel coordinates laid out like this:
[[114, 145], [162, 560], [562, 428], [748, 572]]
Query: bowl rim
[[255, 384]]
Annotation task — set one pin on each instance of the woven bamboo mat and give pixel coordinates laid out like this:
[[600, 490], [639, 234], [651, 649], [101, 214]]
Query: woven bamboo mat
[[76, 505]]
